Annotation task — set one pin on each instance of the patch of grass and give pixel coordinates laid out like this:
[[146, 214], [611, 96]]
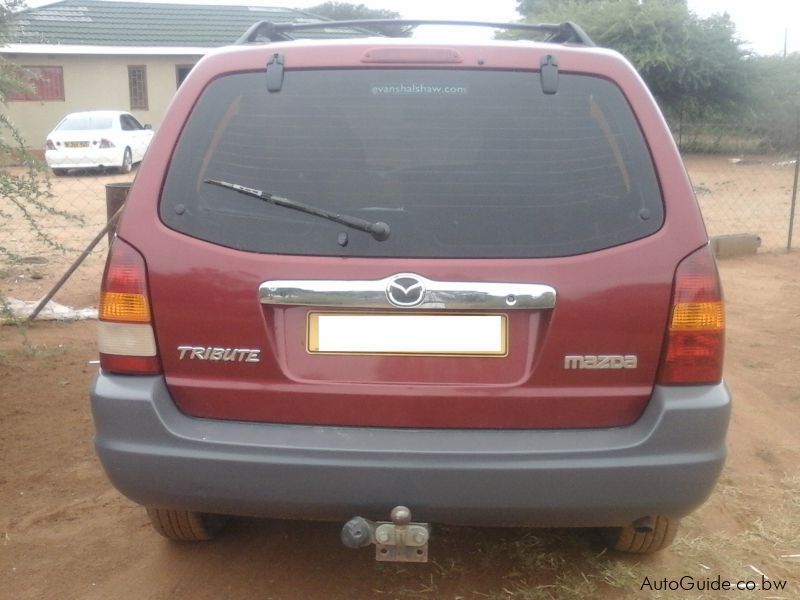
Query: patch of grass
[[766, 455], [696, 548], [563, 563], [565, 587], [422, 590], [27, 349], [783, 527], [792, 485], [449, 567], [525, 564], [757, 364], [767, 533], [621, 574], [530, 553], [7, 316]]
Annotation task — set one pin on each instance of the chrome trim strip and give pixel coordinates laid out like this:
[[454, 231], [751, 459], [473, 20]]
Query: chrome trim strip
[[438, 295]]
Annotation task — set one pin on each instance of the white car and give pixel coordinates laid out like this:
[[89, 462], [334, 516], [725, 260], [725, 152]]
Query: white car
[[97, 139]]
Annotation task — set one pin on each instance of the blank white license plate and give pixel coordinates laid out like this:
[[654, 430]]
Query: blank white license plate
[[476, 335]]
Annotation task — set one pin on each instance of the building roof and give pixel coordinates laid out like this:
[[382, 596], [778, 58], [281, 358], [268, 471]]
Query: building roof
[[142, 24]]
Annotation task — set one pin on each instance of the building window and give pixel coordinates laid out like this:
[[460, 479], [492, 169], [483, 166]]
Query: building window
[[181, 71], [137, 83], [47, 84]]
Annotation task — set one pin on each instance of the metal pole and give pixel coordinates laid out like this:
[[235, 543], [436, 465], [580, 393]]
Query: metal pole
[[794, 187], [785, 41], [116, 194], [794, 199]]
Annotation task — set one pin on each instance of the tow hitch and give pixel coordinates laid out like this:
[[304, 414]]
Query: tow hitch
[[398, 540]]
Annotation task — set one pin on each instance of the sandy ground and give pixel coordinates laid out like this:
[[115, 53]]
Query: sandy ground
[[65, 533]]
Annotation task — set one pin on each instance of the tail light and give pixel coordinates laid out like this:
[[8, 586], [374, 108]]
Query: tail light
[[104, 143], [696, 335], [50, 145], [125, 332]]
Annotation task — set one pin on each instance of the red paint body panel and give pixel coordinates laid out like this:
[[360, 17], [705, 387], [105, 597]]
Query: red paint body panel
[[615, 301]]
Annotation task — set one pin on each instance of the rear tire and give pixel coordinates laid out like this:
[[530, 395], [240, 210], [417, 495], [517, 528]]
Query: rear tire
[[127, 161], [627, 539], [184, 525], [60, 172]]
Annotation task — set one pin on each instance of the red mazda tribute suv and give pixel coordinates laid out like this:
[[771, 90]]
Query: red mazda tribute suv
[[468, 281]]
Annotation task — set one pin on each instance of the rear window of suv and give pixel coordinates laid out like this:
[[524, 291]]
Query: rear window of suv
[[459, 163]]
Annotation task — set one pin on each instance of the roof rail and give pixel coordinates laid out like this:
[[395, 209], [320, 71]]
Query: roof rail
[[561, 33]]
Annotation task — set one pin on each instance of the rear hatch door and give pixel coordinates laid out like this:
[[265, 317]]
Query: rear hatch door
[[524, 282]]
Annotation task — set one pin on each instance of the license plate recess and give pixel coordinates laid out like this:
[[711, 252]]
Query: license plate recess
[[417, 334]]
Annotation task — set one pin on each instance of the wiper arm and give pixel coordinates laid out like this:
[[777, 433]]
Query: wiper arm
[[379, 231]]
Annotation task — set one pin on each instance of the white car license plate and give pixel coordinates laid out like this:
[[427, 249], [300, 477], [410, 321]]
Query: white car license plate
[[413, 334]]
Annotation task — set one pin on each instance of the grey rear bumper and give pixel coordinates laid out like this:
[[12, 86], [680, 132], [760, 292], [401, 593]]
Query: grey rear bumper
[[665, 463]]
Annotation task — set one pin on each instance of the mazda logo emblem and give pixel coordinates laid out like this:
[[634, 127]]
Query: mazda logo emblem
[[405, 290]]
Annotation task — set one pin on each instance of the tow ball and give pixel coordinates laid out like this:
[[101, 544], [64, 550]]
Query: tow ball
[[398, 540]]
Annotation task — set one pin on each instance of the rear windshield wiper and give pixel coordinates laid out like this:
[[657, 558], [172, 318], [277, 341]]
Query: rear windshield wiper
[[379, 231]]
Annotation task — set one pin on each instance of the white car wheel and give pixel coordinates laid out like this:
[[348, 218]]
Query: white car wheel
[[127, 162]]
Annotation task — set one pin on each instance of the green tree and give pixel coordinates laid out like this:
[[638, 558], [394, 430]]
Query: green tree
[[25, 193], [693, 66], [344, 11], [529, 7], [775, 112]]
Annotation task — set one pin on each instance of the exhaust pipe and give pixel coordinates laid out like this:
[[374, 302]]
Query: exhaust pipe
[[644, 525]]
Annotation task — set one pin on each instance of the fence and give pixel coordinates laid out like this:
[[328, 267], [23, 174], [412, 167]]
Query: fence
[[744, 184], [36, 254], [745, 194], [742, 187]]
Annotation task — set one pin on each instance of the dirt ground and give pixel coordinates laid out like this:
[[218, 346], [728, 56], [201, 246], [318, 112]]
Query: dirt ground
[[66, 533]]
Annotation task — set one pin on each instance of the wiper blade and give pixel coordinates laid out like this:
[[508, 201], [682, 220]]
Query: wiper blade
[[379, 231]]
